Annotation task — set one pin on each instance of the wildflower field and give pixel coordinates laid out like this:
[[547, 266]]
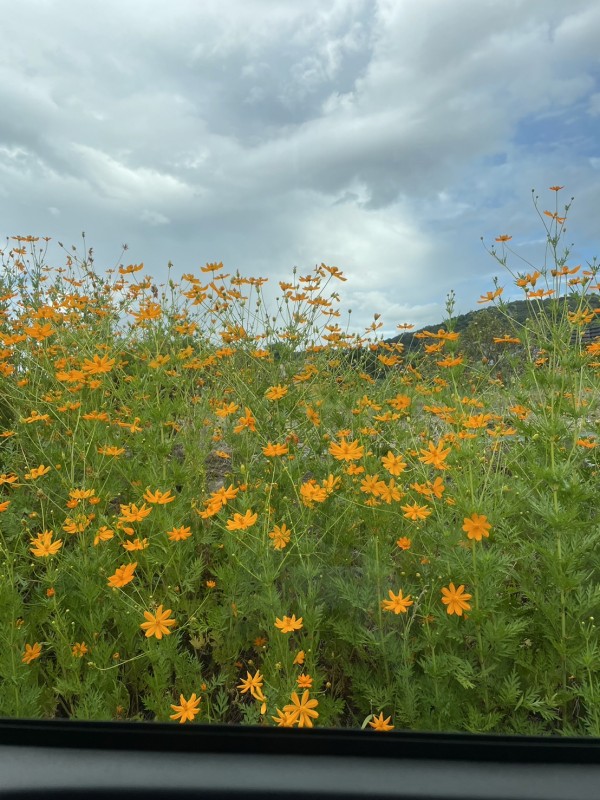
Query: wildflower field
[[216, 512]]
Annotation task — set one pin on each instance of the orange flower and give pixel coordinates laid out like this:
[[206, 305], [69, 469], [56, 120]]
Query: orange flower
[[273, 450], [589, 443], [476, 526], [123, 575], [489, 296], [311, 492], [161, 498], [136, 544], [503, 238], [111, 451], [302, 711], [435, 455], [456, 599], [368, 484], [404, 543], [540, 293], [284, 719], [395, 465], [346, 451], [79, 649], [131, 513], [304, 681], [36, 472], [437, 488], [276, 392], [280, 536], [416, 512], [159, 361], [389, 491], [97, 365], [187, 709], [241, 522], [43, 546], [130, 269], [288, 624], [450, 362], [299, 659], [247, 421], [104, 535], [82, 494], [397, 603], [179, 534], [381, 724], [253, 685], [158, 624], [78, 524], [31, 652]]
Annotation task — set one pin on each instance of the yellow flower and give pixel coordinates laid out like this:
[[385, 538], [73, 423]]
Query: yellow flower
[[37, 472], [253, 685], [280, 536], [97, 365], [247, 421], [158, 624], [272, 450], [82, 494], [131, 513], [78, 524], [136, 544], [415, 511], [123, 575], [369, 484], [289, 624], [187, 708], [476, 526], [437, 487], [489, 296], [395, 465], [302, 711], [179, 534], [226, 409], [161, 498], [435, 455], [284, 719], [456, 599], [111, 451], [311, 492], [381, 724], [43, 546], [346, 451], [397, 603], [276, 392], [240, 522], [388, 491], [31, 652]]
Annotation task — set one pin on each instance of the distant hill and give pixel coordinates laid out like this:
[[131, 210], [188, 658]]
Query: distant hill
[[518, 310]]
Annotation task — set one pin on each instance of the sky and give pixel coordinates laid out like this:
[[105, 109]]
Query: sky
[[384, 137]]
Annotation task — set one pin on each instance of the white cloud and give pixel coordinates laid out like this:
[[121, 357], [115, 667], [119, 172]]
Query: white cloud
[[384, 137]]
